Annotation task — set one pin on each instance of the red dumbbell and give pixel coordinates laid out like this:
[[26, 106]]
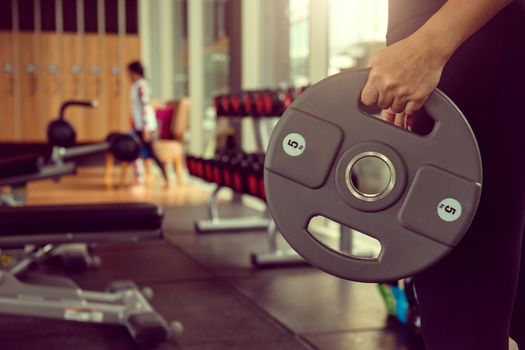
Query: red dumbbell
[[249, 102], [226, 105], [237, 103]]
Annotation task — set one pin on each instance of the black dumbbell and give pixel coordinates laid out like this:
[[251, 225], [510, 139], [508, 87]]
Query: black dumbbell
[[241, 169], [61, 134], [260, 176], [252, 182], [255, 175], [225, 165], [229, 163], [124, 147]]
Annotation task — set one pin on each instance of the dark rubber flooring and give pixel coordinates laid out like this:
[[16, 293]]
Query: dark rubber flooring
[[207, 283]]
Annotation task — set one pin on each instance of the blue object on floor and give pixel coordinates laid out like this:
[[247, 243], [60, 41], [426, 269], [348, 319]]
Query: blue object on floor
[[401, 304]]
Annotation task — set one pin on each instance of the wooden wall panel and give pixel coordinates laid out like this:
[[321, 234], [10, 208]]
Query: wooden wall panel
[[95, 120], [74, 80], [113, 89], [7, 88], [131, 53], [50, 76], [33, 128], [50, 67]]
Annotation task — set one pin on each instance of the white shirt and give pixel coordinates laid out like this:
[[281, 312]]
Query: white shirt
[[142, 112]]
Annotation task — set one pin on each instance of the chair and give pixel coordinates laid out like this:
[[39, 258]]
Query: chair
[[169, 148], [172, 150]]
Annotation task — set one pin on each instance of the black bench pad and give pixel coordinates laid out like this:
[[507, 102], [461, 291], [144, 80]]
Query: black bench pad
[[20, 165], [108, 218]]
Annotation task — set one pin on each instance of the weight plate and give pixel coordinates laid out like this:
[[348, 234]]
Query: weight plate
[[417, 195]]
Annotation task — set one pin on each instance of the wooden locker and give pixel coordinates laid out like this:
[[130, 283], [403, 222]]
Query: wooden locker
[[113, 89], [95, 122], [32, 127], [131, 53], [74, 81], [7, 88], [50, 76]]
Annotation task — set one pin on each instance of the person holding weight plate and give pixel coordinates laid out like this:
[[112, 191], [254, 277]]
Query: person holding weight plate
[[473, 50]]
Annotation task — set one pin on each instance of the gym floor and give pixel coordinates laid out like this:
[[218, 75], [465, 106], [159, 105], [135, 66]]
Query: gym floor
[[207, 283]]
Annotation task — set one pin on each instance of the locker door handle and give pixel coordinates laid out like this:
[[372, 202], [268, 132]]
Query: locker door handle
[[115, 70], [96, 70], [53, 69], [76, 70], [9, 68], [31, 69]]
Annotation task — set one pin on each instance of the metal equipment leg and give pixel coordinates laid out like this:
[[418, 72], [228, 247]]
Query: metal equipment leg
[[276, 257], [59, 298], [217, 224]]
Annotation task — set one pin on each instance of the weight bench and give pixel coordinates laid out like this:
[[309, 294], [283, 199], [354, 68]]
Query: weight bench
[[41, 227]]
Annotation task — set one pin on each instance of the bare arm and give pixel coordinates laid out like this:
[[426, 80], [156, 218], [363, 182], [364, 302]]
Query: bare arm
[[404, 74]]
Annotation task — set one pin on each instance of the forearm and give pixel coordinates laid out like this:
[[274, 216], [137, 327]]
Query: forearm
[[455, 22]]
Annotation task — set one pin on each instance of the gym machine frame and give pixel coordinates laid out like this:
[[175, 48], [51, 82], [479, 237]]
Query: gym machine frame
[[53, 297]]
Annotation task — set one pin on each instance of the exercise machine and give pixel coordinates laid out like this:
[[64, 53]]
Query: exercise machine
[[24, 293]]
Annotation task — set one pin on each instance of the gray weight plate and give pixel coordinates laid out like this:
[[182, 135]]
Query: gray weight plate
[[416, 194]]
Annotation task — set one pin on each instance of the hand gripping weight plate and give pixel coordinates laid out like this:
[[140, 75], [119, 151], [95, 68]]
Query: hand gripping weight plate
[[416, 194]]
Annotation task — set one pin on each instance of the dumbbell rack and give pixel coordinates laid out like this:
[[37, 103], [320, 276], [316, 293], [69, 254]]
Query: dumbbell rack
[[215, 223], [264, 107]]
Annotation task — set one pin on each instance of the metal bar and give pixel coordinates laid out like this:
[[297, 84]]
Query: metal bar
[[280, 258], [47, 172], [231, 224], [213, 209], [272, 236], [77, 151], [23, 265], [345, 239]]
